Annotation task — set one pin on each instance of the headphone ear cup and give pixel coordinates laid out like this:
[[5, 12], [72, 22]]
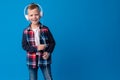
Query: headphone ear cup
[[26, 16], [41, 14]]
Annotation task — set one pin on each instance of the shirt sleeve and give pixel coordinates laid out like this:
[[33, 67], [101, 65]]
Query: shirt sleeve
[[51, 42], [26, 46]]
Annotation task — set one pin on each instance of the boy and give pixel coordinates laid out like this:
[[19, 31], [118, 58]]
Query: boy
[[39, 43]]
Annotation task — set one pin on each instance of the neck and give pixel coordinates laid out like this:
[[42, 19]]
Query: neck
[[33, 26]]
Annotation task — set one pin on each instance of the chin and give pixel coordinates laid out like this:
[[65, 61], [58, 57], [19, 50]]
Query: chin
[[35, 22]]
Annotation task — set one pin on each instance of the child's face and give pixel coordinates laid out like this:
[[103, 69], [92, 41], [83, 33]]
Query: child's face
[[34, 15]]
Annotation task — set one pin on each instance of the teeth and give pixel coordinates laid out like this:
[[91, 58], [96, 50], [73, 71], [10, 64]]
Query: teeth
[[34, 20]]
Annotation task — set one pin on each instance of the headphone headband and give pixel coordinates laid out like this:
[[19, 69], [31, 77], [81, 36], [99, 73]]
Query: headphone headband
[[25, 9]]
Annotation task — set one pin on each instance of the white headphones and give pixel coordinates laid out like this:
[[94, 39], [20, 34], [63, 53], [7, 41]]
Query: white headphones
[[25, 10]]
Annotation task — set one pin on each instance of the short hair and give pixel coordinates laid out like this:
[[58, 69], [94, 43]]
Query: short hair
[[33, 6]]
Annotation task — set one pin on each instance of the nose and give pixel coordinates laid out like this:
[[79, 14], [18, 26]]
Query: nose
[[34, 16]]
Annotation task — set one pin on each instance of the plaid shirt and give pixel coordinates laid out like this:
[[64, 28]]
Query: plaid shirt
[[28, 44]]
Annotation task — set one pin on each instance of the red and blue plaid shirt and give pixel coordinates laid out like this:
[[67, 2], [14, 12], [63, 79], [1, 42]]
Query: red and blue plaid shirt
[[28, 44]]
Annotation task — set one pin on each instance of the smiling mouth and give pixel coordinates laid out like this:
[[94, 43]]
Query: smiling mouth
[[34, 20]]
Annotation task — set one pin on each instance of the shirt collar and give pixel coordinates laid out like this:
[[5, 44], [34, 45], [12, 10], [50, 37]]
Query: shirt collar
[[29, 27]]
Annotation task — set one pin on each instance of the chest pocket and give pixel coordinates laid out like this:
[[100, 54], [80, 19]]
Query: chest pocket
[[30, 37]]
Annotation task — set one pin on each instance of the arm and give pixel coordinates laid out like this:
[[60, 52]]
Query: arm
[[26, 46], [51, 42]]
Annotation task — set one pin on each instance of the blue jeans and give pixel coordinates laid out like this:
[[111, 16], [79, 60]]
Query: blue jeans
[[46, 71]]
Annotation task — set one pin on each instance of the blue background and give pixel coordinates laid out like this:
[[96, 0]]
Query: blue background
[[87, 34]]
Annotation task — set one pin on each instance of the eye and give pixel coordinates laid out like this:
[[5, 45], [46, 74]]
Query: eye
[[31, 15]]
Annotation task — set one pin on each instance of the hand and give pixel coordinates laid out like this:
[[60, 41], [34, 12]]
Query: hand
[[45, 55], [41, 47]]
